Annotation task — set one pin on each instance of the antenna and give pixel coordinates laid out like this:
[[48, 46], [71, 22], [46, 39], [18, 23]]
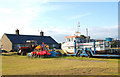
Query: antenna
[[78, 26], [87, 32], [78, 32]]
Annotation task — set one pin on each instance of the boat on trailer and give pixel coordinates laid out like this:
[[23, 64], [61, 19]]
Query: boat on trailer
[[68, 47], [83, 42]]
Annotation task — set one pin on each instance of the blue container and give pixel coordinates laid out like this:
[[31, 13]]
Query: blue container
[[54, 54], [29, 54], [109, 39]]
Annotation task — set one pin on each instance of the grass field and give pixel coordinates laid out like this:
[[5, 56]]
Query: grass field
[[22, 65]]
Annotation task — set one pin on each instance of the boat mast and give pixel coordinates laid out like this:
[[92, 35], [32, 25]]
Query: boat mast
[[78, 29], [87, 32]]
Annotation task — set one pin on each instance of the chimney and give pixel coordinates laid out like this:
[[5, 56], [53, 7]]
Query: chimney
[[41, 33], [17, 32]]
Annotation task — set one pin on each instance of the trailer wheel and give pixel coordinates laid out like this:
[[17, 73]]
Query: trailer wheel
[[45, 56], [59, 53], [25, 53], [78, 54], [89, 54], [34, 56], [31, 55], [39, 56], [22, 53], [42, 56], [18, 53]]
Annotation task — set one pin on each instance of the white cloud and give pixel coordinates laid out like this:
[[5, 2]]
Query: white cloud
[[103, 32], [79, 16], [5, 10], [15, 18], [95, 32], [59, 33], [111, 27], [21, 16]]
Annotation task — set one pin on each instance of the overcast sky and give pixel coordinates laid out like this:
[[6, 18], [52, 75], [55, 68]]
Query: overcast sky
[[59, 19]]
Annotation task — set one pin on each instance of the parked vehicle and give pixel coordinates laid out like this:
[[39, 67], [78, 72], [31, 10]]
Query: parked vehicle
[[80, 45], [88, 52], [30, 45]]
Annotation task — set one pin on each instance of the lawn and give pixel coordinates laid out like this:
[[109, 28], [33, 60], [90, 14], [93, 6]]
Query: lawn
[[22, 65]]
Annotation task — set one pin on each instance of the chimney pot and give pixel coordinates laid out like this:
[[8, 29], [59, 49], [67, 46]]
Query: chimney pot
[[41, 33], [17, 32]]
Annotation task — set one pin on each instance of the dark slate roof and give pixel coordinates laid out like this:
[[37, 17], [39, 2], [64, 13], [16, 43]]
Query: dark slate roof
[[21, 39]]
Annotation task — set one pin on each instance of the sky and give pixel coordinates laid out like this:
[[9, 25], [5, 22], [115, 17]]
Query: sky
[[59, 19]]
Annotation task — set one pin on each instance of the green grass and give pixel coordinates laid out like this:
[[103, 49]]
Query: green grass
[[22, 65]]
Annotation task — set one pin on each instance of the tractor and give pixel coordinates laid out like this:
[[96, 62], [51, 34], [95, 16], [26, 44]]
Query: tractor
[[29, 47]]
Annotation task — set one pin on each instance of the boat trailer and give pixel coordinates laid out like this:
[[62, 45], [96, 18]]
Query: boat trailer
[[87, 52]]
